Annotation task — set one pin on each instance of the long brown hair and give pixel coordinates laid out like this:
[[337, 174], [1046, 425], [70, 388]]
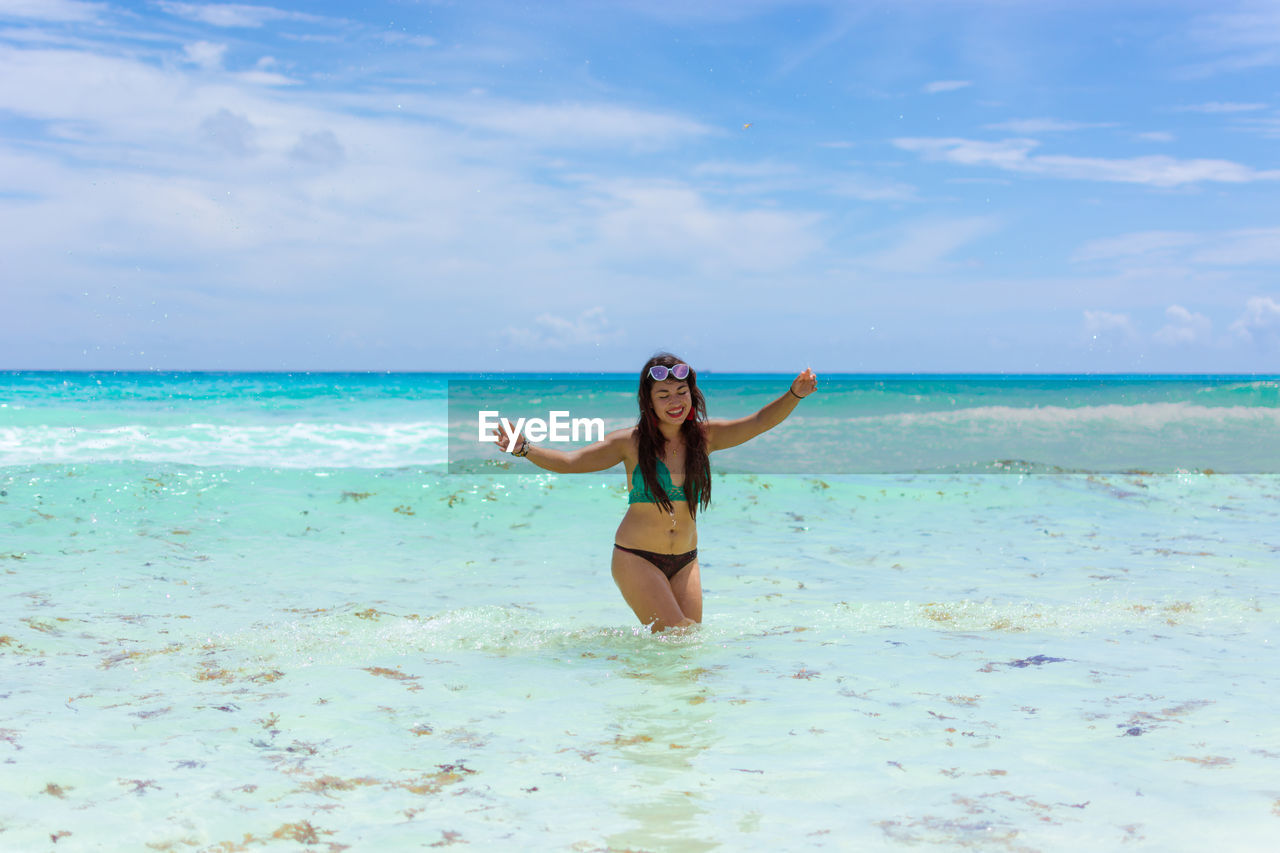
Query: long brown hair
[[652, 443]]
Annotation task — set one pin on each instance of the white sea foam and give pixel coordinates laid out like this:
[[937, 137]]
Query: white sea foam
[[1172, 435], [297, 445], [1142, 416], [1163, 436]]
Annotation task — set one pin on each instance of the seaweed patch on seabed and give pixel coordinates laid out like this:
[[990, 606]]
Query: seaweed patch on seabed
[[422, 784], [1036, 660], [973, 830], [1206, 761], [303, 832], [931, 829], [12, 644], [395, 675], [1141, 722]]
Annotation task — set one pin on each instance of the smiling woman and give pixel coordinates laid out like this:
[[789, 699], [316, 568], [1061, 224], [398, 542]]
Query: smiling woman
[[655, 557]]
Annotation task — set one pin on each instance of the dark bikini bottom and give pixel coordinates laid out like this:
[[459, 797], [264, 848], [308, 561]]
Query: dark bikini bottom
[[670, 564]]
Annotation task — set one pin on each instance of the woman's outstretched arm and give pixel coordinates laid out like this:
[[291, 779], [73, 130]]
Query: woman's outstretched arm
[[723, 434], [594, 457]]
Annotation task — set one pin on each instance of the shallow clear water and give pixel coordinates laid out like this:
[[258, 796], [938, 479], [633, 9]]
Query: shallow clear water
[[203, 650]]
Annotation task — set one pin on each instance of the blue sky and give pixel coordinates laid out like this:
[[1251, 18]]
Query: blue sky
[[919, 185]]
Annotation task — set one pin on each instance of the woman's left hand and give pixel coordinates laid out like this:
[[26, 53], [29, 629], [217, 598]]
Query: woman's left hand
[[805, 384]]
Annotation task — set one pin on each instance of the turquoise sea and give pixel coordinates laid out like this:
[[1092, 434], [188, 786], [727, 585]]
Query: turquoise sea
[[1006, 613]]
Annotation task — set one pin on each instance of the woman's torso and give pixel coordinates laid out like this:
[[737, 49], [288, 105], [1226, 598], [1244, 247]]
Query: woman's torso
[[648, 526]]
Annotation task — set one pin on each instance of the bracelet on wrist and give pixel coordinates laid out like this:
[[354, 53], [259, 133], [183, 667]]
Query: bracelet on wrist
[[794, 394], [524, 448]]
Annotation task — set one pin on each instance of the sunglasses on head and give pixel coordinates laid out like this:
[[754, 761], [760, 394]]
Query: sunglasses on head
[[660, 372]]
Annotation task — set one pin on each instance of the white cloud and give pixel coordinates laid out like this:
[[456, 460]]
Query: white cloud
[[549, 331], [666, 222], [319, 148], [1244, 247], [1140, 244], [684, 12], [264, 78], [1106, 329], [1268, 126], [1240, 247], [340, 211], [836, 29], [762, 177], [405, 38], [233, 15], [1184, 327], [923, 247], [870, 188], [57, 11], [1245, 37], [1260, 320], [756, 169], [207, 55], [1044, 125], [999, 182], [115, 96], [1008, 154], [1015, 155], [229, 132], [1220, 107], [565, 124], [146, 108], [1154, 136], [939, 86]]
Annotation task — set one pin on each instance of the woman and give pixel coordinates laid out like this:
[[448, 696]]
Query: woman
[[655, 552]]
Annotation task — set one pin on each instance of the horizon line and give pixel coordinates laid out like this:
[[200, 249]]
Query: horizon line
[[704, 372]]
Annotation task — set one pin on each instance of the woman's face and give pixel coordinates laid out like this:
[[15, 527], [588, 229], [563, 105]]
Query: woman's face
[[671, 400]]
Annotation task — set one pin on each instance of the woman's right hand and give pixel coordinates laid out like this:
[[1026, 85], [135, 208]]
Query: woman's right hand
[[804, 384], [508, 441]]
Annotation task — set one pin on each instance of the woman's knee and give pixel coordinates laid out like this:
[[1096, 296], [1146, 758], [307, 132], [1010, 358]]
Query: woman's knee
[[658, 625]]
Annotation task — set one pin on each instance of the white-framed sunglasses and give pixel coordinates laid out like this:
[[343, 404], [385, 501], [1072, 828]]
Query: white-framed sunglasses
[[660, 372]]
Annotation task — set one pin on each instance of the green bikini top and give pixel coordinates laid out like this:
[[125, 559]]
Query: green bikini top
[[640, 492]]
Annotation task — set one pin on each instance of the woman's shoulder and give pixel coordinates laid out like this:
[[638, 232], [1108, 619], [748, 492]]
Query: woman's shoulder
[[625, 440], [708, 429], [626, 435]]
